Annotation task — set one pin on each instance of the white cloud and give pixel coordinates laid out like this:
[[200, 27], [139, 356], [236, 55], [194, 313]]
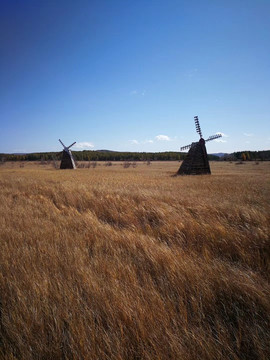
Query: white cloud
[[136, 142], [222, 134], [163, 138], [84, 145], [220, 140], [148, 142], [246, 134], [138, 92]]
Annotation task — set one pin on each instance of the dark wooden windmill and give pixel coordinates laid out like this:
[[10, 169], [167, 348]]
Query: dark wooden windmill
[[196, 161], [67, 161]]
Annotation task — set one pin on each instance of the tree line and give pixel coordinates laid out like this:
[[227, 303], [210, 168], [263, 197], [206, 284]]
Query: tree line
[[106, 155], [91, 155], [252, 155]]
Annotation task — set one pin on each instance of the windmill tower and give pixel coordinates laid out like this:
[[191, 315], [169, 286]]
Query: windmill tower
[[196, 162], [67, 161]]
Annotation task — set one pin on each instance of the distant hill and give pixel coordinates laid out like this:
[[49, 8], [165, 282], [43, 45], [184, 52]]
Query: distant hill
[[18, 153], [219, 154], [106, 151]]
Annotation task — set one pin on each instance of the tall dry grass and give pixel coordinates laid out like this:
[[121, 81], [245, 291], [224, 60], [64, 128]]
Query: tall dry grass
[[115, 263]]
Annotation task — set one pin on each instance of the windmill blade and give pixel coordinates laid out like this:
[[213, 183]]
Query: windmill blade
[[197, 125], [62, 144], [213, 137], [71, 145], [186, 147]]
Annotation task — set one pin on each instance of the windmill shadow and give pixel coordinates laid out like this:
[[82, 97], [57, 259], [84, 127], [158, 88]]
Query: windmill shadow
[[196, 161]]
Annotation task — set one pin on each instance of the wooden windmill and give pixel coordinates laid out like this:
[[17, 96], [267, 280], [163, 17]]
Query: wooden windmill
[[67, 161], [196, 161]]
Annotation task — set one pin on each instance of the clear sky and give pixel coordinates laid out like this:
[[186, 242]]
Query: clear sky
[[130, 75]]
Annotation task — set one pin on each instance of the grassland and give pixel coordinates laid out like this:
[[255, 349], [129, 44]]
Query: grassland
[[115, 263]]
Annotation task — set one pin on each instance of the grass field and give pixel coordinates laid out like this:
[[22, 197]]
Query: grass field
[[115, 263]]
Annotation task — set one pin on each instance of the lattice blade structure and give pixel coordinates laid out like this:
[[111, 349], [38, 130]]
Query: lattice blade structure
[[196, 161], [62, 143], [186, 147], [213, 137], [197, 125], [67, 161], [71, 145]]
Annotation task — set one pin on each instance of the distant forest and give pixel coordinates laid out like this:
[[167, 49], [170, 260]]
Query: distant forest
[[106, 155], [103, 155], [250, 155]]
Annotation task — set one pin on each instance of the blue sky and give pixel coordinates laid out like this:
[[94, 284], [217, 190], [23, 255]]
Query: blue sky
[[131, 75]]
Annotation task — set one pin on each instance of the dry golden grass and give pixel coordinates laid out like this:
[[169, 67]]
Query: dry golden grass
[[114, 263]]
